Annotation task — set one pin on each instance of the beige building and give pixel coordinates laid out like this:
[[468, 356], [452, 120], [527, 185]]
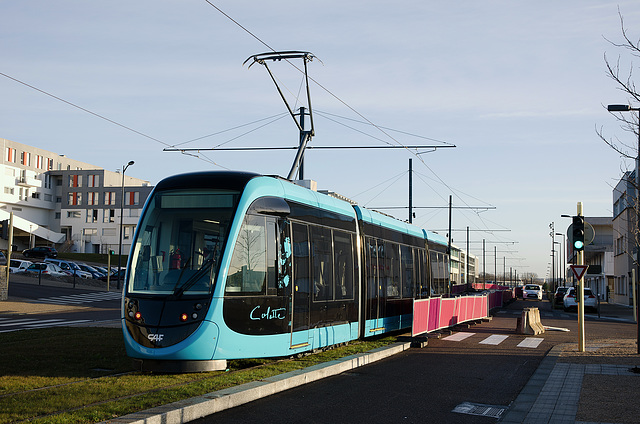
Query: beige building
[[624, 224], [59, 201]]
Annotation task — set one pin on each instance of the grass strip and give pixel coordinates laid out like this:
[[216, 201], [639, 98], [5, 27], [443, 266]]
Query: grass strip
[[82, 375]]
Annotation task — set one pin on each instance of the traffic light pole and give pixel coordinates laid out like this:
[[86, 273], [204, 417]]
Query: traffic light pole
[[580, 295]]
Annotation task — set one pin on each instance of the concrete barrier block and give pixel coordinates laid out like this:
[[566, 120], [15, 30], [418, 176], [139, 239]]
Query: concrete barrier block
[[529, 322]]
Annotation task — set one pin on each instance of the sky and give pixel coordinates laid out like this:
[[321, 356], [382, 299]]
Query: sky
[[520, 89]]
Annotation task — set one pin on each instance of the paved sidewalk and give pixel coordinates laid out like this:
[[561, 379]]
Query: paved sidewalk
[[557, 393]]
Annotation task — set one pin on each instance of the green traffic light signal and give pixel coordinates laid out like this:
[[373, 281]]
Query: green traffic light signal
[[578, 233]]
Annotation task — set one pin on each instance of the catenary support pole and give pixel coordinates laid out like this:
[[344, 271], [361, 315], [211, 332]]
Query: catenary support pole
[[410, 191]]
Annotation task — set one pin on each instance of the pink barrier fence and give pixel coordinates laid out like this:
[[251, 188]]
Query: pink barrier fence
[[437, 313]]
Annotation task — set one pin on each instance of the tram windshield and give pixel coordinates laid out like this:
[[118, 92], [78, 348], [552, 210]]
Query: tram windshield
[[180, 239]]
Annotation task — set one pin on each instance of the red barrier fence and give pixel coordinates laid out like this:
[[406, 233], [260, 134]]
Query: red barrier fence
[[437, 313]]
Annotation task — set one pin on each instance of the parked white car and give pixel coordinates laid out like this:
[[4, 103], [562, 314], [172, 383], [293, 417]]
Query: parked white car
[[532, 291], [18, 265], [590, 300]]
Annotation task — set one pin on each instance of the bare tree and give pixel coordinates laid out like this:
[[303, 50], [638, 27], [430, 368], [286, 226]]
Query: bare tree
[[623, 75], [621, 71]]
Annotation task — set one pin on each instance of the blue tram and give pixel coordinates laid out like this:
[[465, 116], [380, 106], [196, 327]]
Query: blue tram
[[228, 265]]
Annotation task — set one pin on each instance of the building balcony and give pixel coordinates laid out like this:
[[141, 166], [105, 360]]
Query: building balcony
[[28, 182]]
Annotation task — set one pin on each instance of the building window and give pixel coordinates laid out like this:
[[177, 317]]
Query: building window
[[75, 199], [132, 198], [75, 180], [93, 198], [128, 232], [50, 164], [109, 215], [8, 190], [109, 232], [93, 180], [25, 159], [74, 214], [57, 215], [11, 155], [109, 198], [92, 215], [35, 195]]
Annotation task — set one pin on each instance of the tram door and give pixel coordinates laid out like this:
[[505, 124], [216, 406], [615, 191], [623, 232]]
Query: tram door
[[301, 295], [375, 299]]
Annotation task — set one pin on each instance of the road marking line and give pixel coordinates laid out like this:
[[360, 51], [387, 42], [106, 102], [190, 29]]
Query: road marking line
[[80, 298], [57, 324], [531, 342], [458, 336], [495, 339]]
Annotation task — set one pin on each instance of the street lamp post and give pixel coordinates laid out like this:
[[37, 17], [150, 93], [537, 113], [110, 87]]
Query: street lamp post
[[563, 258], [627, 108], [124, 168], [552, 227], [558, 264]]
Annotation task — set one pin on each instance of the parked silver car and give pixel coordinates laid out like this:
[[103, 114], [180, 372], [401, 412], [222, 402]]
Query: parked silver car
[[45, 268], [69, 267]]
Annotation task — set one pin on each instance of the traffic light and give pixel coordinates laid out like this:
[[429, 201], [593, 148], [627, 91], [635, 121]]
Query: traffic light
[[5, 229], [578, 233]]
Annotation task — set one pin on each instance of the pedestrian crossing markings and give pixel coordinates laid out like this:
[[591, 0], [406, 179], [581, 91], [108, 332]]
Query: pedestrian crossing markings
[[8, 324], [496, 339], [77, 299]]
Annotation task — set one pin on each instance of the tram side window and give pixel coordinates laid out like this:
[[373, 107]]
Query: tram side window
[[253, 264], [439, 270], [426, 275], [371, 263], [322, 263], [343, 263], [407, 271], [392, 270], [424, 282], [300, 258]]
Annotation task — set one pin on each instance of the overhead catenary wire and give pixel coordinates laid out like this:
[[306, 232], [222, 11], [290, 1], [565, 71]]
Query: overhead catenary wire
[[67, 102], [319, 85], [273, 118], [84, 109]]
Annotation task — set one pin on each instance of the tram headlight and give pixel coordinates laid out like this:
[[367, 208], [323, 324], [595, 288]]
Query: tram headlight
[[184, 317], [137, 316]]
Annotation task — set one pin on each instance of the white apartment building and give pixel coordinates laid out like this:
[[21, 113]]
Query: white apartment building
[[458, 267], [60, 201]]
